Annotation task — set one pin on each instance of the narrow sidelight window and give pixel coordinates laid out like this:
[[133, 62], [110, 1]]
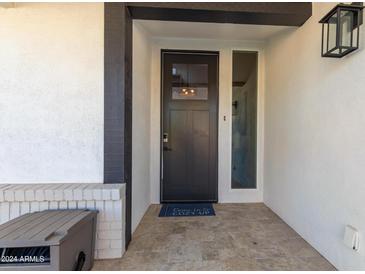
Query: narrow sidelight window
[[244, 119]]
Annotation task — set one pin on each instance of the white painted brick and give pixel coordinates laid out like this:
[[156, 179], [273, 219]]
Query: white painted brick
[[102, 244], [121, 190], [62, 205], [116, 244], [19, 195], [81, 204], [9, 195], [58, 193], [49, 194], [99, 205], [24, 208], [29, 195], [53, 205], [3, 187], [110, 235], [115, 194], [106, 195], [4, 212], [68, 194], [108, 211], [43, 206], [90, 204], [97, 194], [116, 225], [72, 205], [123, 204], [2, 192], [103, 226], [78, 194], [117, 210], [109, 253], [39, 194], [14, 210], [88, 194], [34, 206], [7, 192]]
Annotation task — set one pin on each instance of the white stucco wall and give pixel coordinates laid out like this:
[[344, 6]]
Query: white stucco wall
[[141, 124], [225, 48], [51, 93], [315, 138]]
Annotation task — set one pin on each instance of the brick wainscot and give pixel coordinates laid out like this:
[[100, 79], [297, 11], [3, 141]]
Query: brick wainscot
[[108, 199]]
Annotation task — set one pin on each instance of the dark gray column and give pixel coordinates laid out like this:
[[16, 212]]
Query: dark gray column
[[118, 100]]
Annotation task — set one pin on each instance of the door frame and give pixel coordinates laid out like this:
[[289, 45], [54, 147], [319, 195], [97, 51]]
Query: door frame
[[201, 52]]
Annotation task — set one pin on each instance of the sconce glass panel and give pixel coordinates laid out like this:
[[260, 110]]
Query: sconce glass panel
[[347, 23], [340, 30]]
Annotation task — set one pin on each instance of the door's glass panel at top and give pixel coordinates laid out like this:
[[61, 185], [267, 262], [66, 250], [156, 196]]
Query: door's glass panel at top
[[190, 81]]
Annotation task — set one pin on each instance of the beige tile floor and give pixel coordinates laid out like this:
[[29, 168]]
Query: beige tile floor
[[239, 237]]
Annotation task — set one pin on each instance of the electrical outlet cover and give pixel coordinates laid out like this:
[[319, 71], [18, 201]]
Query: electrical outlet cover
[[351, 237]]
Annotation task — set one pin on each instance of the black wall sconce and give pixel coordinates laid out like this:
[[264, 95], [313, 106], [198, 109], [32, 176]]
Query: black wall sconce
[[341, 30]]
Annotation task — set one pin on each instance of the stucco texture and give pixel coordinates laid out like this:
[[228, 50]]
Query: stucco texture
[[314, 140], [51, 93]]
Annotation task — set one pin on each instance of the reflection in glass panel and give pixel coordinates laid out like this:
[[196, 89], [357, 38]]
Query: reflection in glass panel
[[244, 124], [190, 81], [332, 32], [347, 22], [348, 39]]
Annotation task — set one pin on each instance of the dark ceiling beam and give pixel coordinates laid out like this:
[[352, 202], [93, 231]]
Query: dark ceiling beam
[[259, 13]]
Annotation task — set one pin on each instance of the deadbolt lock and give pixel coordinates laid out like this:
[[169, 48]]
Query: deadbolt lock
[[165, 137]]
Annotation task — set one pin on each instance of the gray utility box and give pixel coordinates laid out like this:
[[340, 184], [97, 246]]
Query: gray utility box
[[49, 240]]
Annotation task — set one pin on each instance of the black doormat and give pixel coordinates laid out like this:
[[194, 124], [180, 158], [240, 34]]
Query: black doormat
[[186, 210]]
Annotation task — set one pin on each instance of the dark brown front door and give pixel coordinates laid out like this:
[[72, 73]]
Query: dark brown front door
[[189, 126]]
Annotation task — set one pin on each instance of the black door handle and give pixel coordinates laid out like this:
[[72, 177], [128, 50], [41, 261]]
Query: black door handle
[[166, 149]]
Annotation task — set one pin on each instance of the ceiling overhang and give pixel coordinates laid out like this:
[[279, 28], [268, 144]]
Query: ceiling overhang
[[259, 13]]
